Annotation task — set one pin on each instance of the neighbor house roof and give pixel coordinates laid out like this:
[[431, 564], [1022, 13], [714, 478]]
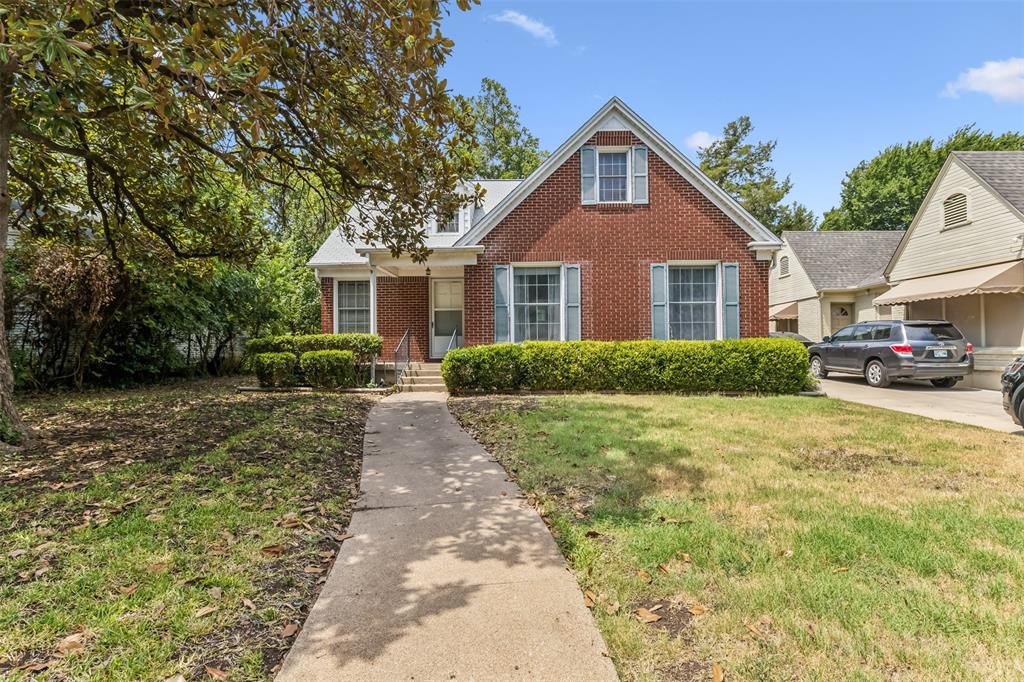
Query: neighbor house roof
[[1002, 171], [339, 250], [616, 115], [844, 259]]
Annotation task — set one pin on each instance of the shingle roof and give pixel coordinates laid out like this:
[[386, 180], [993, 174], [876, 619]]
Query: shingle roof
[[1003, 171], [337, 250], [844, 259]]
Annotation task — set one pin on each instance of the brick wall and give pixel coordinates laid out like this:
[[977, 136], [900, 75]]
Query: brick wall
[[404, 303], [615, 246], [327, 305]]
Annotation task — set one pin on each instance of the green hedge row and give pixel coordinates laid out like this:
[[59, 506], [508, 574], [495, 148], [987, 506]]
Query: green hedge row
[[321, 368], [741, 365], [364, 347]]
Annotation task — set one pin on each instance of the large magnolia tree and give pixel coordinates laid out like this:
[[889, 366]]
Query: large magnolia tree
[[115, 115]]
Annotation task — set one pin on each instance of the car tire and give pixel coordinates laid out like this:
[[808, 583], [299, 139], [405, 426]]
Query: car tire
[[818, 367], [947, 382], [876, 374], [1020, 412]]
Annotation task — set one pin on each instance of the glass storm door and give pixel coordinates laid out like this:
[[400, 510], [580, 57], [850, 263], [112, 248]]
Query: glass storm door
[[445, 315]]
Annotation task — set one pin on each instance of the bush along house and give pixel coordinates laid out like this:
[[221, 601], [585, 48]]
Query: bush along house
[[616, 236]]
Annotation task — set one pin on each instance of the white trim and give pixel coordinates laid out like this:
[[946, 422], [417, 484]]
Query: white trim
[[430, 321], [762, 236], [373, 300], [334, 301]]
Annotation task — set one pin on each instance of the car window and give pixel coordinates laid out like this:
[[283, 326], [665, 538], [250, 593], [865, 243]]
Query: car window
[[932, 332], [862, 333], [844, 334], [881, 332]]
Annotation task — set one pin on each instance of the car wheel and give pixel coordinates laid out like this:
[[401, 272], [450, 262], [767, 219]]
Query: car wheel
[[818, 367], [1020, 412], [948, 382], [876, 374]]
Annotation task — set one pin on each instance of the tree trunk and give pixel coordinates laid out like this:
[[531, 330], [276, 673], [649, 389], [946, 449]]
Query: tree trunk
[[12, 430]]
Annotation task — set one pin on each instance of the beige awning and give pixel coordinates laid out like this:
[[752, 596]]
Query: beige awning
[[1004, 278], [784, 311]]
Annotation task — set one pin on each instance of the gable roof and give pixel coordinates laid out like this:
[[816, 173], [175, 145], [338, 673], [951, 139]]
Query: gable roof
[[996, 171], [1002, 171], [842, 259], [337, 249], [616, 113]]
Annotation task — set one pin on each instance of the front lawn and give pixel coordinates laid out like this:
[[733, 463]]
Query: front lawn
[[182, 529], [777, 538]]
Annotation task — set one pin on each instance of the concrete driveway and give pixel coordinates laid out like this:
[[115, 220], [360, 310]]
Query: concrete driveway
[[960, 404]]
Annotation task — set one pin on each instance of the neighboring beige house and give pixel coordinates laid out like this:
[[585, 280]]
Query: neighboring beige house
[[962, 258], [822, 281]]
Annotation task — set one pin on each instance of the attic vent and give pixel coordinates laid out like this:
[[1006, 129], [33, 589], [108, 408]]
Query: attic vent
[[955, 210], [783, 266]]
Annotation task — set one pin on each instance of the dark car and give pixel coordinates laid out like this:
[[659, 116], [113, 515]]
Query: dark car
[[899, 349], [792, 335], [1013, 389]]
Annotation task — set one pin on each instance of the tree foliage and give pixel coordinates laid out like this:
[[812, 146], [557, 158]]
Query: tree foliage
[[744, 169], [156, 127], [885, 192], [505, 148]]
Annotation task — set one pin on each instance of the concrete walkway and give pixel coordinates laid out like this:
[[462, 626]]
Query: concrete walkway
[[450, 575], [974, 406]]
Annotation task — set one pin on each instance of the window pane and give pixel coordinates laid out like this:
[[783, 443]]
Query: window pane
[[611, 170], [353, 307], [692, 303], [537, 304]]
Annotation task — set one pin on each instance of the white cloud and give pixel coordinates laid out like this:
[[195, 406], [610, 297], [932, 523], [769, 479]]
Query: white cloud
[[1002, 81], [700, 139], [537, 29]]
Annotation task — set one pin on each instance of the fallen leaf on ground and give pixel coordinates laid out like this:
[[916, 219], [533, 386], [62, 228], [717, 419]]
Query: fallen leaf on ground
[[128, 589], [644, 576], [35, 667], [589, 599], [612, 609], [175, 678], [205, 611], [697, 610], [289, 630], [248, 604], [841, 569], [312, 569], [656, 607], [157, 568], [216, 673], [341, 537], [753, 630], [273, 550], [72, 644], [17, 553], [717, 674], [646, 616], [216, 592]]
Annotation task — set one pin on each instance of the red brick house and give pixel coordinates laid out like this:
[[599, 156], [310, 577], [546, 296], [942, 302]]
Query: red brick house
[[615, 236]]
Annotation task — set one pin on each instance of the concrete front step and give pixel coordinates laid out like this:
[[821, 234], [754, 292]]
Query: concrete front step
[[422, 387]]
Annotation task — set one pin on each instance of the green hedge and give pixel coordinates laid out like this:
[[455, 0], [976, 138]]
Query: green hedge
[[741, 365], [276, 369], [364, 347], [328, 368]]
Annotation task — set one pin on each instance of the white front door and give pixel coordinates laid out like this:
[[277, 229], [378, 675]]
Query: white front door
[[445, 315]]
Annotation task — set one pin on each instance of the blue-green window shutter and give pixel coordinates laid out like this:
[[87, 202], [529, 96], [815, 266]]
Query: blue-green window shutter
[[731, 299], [588, 175], [572, 302], [659, 301], [501, 319], [640, 175]]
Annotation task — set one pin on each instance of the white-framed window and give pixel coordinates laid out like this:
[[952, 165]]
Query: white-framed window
[[450, 226], [784, 266], [693, 302], [612, 176], [954, 210], [537, 303], [352, 307]]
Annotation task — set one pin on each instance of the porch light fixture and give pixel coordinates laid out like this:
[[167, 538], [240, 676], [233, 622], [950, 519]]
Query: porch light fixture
[[428, 272]]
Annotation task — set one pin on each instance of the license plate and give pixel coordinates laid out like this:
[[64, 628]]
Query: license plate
[[940, 353]]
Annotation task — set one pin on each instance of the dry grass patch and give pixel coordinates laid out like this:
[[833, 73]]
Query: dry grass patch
[[822, 539]]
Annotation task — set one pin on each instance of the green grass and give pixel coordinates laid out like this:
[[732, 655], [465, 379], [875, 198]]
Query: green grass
[[135, 510], [825, 540]]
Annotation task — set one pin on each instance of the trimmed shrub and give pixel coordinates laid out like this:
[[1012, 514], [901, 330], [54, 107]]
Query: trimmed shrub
[[740, 365], [275, 369], [328, 368], [364, 347]]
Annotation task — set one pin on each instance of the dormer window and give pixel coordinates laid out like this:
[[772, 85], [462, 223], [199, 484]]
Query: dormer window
[[450, 226], [784, 266], [613, 175], [954, 210]]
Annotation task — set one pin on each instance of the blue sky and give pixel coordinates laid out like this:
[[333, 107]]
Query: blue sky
[[833, 82]]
